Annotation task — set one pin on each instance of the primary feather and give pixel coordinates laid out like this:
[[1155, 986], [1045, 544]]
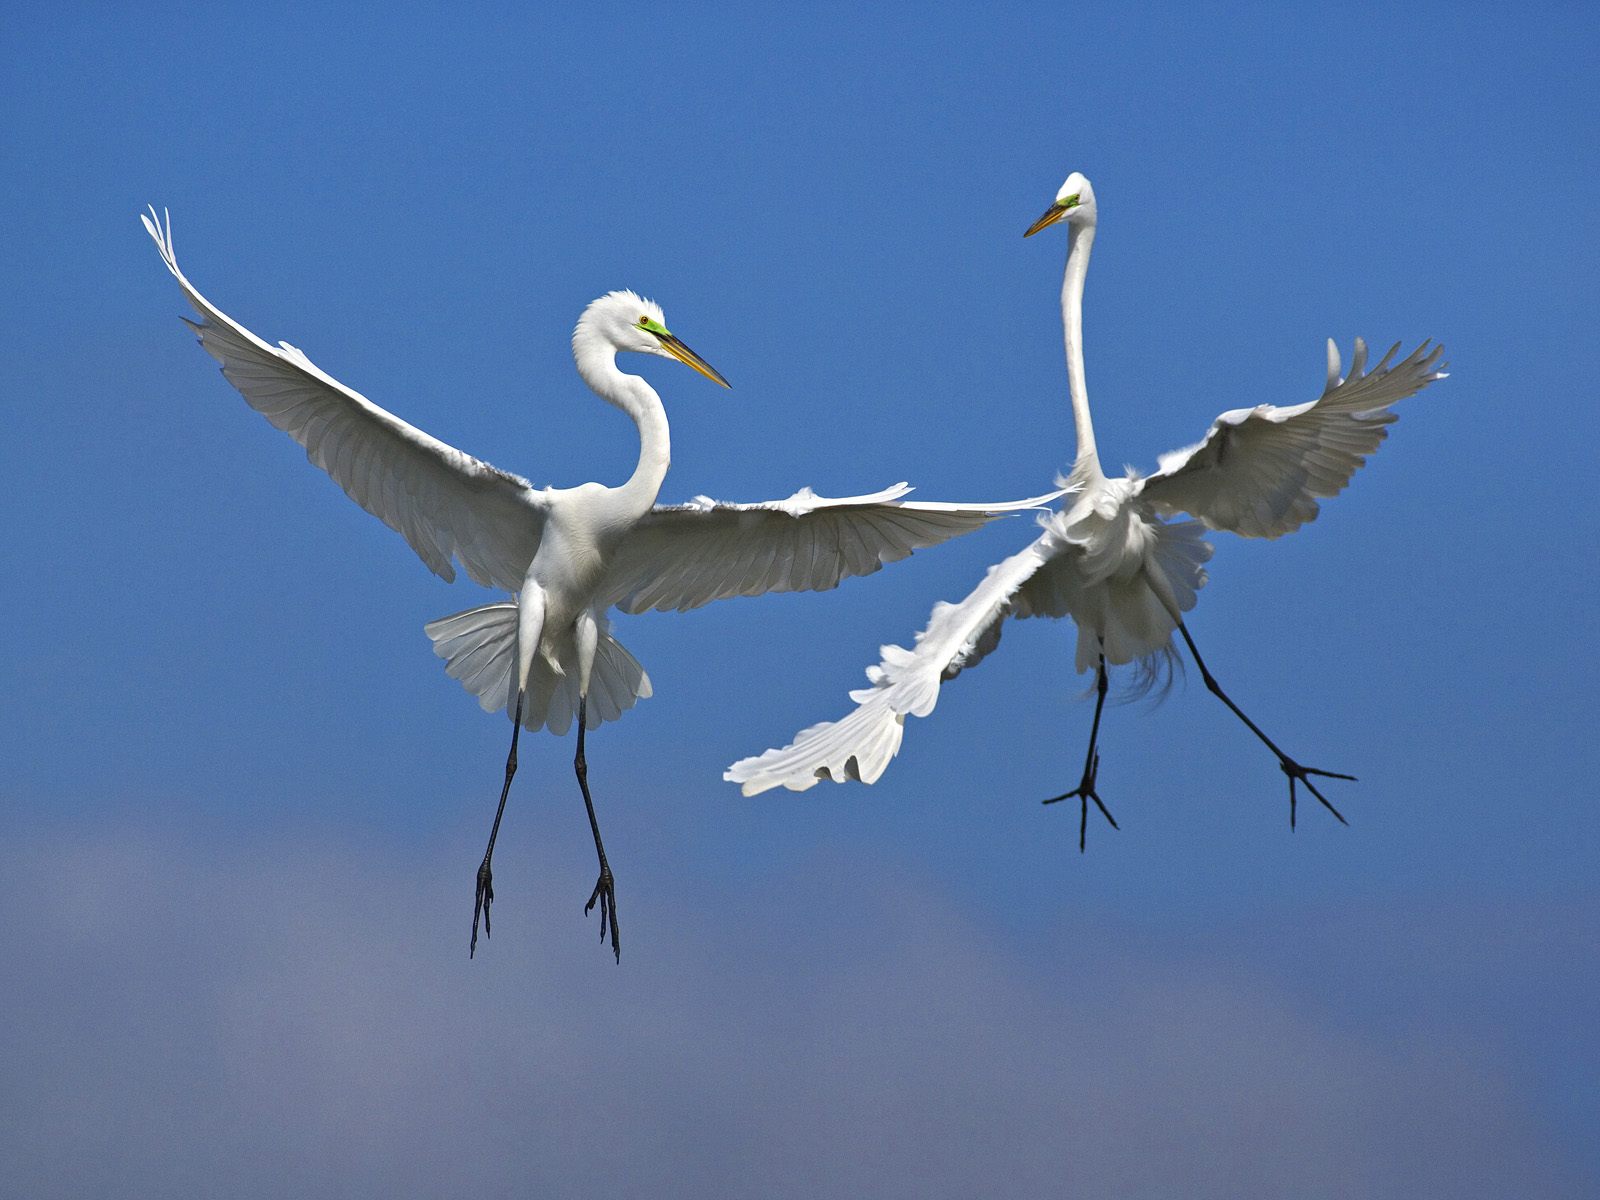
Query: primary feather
[[446, 504], [1259, 471]]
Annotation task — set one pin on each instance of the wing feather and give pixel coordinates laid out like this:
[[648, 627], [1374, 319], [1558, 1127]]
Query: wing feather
[[905, 683], [1259, 471], [683, 556], [446, 504]]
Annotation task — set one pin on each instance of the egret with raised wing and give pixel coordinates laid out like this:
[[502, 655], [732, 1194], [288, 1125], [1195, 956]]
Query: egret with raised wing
[[1111, 559], [567, 555]]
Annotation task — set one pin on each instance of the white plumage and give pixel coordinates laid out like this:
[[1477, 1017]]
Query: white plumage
[[1110, 559], [479, 647], [682, 556], [1259, 471], [568, 554]]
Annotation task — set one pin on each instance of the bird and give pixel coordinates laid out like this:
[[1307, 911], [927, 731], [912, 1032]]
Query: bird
[[1113, 558], [567, 556]]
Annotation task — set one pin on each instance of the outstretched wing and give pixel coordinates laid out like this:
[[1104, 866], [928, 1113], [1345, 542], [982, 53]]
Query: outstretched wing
[[1259, 470], [445, 503], [682, 556], [904, 683]]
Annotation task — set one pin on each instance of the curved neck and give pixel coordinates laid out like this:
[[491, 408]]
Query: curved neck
[[1080, 240], [597, 364]]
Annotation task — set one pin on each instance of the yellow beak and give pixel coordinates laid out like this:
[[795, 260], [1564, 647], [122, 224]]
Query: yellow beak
[[1051, 215], [673, 346]]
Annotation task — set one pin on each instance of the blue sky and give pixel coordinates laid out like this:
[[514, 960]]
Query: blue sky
[[242, 802]]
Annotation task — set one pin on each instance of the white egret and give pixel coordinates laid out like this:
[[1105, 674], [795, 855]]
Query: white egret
[[1110, 560], [567, 554]]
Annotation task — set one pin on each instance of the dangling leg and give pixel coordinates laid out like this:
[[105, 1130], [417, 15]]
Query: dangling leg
[[530, 628], [604, 888], [587, 635], [485, 876], [1292, 769], [1091, 767]]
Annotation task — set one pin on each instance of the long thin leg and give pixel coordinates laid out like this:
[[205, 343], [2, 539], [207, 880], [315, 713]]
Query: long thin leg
[[1085, 792], [485, 876], [1290, 768], [605, 887]]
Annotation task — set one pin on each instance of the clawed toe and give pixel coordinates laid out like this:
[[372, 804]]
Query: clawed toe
[[1299, 774], [605, 894], [1083, 793], [481, 904]]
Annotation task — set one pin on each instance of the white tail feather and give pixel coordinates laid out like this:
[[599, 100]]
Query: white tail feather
[[479, 648]]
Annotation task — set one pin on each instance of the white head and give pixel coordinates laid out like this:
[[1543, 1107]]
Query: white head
[[1074, 203], [625, 320]]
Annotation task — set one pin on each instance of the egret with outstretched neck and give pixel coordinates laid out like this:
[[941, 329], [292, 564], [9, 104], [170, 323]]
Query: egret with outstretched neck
[[1112, 559]]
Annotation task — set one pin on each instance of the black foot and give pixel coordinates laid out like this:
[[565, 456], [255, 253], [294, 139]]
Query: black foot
[[1084, 793], [481, 904], [1296, 772], [606, 893]]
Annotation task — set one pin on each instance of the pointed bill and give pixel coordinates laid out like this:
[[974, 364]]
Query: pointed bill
[[1051, 215], [675, 347]]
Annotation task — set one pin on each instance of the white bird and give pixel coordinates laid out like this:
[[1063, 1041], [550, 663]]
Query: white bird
[[567, 554], [1110, 559]]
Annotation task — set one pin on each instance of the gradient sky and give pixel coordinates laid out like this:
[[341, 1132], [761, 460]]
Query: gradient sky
[[242, 804]]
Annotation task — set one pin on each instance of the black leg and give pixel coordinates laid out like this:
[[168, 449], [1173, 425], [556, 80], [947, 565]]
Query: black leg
[[485, 877], [605, 888], [1085, 792], [1292, 769]]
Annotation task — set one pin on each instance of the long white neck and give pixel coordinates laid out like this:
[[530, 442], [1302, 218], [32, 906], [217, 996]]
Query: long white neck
[[597, 364], [1080, 240]]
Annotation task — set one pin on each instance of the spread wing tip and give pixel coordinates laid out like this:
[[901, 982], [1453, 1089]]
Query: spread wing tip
[[1425, 355], [159, 227]]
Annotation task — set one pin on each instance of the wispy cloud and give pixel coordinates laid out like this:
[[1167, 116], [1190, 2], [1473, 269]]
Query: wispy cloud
[[182, 1019]]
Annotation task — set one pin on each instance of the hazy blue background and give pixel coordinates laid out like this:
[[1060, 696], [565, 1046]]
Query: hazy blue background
[[242, 804]]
